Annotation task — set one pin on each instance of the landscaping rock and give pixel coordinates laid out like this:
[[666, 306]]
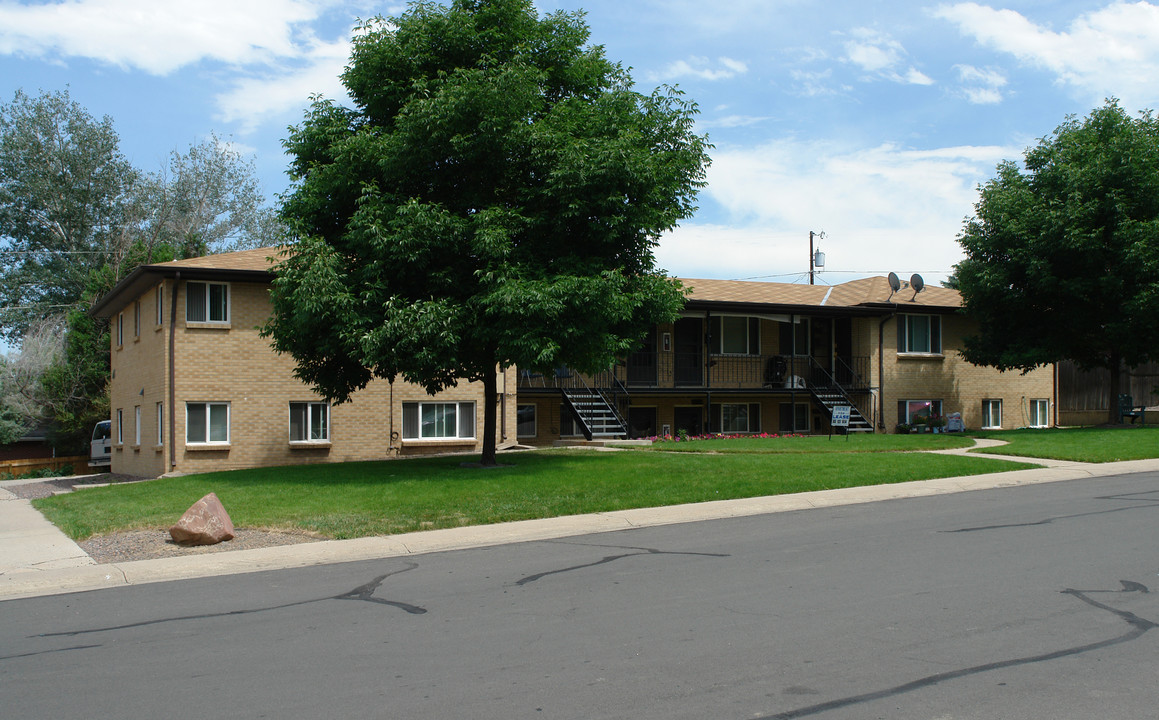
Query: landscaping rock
[[205, 523]]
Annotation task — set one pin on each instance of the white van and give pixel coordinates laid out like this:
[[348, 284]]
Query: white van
[[101, 448]]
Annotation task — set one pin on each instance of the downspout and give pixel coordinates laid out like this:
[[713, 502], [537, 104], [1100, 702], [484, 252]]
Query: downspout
[[503, 408], [881, 369], [1054, 390], [707, 339], [172, 375], [793, 376]]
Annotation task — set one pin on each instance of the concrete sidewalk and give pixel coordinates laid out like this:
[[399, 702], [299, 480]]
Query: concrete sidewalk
[[37, 559]]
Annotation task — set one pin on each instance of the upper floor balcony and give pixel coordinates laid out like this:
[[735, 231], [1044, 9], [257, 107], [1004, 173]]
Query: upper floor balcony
[[689, 371]]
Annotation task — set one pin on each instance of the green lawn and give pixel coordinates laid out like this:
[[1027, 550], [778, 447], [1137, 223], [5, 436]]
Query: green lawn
[[383, 498], [1080, 444]]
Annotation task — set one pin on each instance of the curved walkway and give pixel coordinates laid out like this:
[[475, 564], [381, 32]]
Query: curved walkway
[[38, 559]]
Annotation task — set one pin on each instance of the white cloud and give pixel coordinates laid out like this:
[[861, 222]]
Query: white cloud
[[256, 99], [157, 37], [732, 121], [882, 57], [699, 67], [884, 208], [981, 87], [1110, 51], [816, 83]]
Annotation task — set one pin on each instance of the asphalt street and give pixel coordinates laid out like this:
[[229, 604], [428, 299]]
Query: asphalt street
[[1022, 602]]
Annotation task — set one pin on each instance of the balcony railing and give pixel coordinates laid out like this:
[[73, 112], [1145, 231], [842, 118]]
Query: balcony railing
[[689, 370]]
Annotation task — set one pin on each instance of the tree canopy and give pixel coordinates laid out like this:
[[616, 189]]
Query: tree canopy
[[493, 198], [1062, 255]]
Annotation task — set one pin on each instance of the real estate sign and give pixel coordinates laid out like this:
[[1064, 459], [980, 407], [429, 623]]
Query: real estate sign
[[840, 416]]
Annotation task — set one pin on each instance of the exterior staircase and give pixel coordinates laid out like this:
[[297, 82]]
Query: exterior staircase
[[596, 417], [830, 397]]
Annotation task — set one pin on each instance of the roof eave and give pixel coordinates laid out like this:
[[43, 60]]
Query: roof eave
[[147, 276]]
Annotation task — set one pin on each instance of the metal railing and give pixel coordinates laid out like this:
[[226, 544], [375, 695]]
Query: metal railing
[[690, 370]]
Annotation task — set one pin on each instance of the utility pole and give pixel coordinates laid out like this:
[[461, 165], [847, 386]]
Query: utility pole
[[813, 256]]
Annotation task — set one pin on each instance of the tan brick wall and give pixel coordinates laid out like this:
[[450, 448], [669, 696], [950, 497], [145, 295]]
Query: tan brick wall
[[960, 385], [139, 379], [230, 363]]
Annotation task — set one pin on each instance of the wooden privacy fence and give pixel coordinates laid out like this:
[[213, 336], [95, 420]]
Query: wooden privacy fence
[[79, 463]]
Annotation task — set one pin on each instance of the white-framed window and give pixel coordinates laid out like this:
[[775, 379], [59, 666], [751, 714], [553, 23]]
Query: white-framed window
[[737, 417], [120, 329], [160, 423], [438, 420], [206, 302], [918, 412], [136, 424], [919, 334], [525, 420], [991, 414], [1039, 413], [160, 305], [120, 426], [794, 417], [735, 335], [309, 422], [207, 423]]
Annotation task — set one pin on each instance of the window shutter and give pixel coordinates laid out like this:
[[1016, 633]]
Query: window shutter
[[410, 420], [901, 323], [935, 334], [754, 336], [901, 412], [754, 417]]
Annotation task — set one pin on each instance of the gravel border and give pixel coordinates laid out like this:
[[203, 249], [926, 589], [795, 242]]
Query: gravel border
[[148, 544]]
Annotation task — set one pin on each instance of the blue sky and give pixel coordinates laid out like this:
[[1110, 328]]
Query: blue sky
[[871, 122]]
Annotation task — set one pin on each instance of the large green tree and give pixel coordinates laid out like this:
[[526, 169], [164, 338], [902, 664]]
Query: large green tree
[[64, 188], [493, 198], [1062, 256]]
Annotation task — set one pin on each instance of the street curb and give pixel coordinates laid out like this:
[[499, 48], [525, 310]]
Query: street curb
[[25, 584]]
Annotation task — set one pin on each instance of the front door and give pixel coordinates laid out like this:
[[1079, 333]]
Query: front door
[[843, 349], [688, 419], [688, 352], [642, 363], [641, 422]]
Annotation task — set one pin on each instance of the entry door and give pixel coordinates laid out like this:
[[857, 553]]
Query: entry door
[[689, 419], [641, 422], [688, 351], [843, 349], [642, 363]]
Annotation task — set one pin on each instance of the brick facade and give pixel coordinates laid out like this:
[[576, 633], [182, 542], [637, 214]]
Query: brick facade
[[228, 363]]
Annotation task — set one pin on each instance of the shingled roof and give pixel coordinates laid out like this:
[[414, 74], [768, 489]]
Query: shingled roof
[[870, 294]]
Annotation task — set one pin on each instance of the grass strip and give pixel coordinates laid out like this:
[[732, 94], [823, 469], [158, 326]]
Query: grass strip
[[384, 498], [1093, 445]]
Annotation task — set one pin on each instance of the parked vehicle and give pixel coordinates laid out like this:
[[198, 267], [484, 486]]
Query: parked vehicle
[[101, 448]]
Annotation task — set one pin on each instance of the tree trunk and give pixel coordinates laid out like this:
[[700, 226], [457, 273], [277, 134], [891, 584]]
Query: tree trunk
[[490, 401], [1113, 405]]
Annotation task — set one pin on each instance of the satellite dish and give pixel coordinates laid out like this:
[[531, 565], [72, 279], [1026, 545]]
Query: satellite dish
[[894, 282], [916, 282]]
